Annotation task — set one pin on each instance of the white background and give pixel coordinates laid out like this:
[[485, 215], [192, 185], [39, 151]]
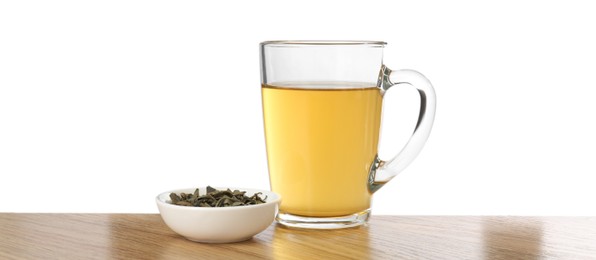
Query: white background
[[104, 104]]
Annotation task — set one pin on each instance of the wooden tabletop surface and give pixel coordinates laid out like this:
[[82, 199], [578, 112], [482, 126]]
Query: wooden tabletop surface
[[145, 236]]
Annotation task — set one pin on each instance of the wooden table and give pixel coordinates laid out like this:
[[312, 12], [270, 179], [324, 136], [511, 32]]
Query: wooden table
[[145, 236]]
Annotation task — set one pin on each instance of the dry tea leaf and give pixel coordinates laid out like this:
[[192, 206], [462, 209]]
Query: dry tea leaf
[[216, 198]]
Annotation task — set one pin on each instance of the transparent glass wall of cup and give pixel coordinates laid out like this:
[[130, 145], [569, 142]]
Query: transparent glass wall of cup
[[322, 103]]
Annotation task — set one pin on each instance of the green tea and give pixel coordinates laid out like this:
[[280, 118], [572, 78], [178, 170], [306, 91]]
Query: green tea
[[321, 143]]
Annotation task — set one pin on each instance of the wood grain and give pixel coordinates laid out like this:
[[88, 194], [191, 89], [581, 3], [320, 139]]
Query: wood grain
[[145, 236]]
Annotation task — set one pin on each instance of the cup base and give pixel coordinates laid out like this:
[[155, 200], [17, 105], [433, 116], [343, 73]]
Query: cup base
[[347, 221]]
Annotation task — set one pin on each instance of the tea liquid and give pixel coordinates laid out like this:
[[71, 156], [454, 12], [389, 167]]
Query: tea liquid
[[321, 142]]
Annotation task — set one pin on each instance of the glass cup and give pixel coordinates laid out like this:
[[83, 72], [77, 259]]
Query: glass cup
[[322, 104]]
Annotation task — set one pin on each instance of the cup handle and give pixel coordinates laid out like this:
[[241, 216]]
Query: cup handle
[[383, 171]]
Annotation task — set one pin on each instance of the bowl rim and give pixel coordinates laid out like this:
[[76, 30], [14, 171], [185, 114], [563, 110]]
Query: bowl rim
[[276, 199]]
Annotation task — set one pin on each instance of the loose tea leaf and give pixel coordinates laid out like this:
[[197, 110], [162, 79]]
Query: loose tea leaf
[[216, 198]]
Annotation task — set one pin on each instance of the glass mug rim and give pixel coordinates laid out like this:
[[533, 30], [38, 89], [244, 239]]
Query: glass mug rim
[[298, 43]]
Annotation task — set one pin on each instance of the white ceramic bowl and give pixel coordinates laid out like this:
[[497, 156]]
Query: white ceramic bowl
[[222, 224]]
